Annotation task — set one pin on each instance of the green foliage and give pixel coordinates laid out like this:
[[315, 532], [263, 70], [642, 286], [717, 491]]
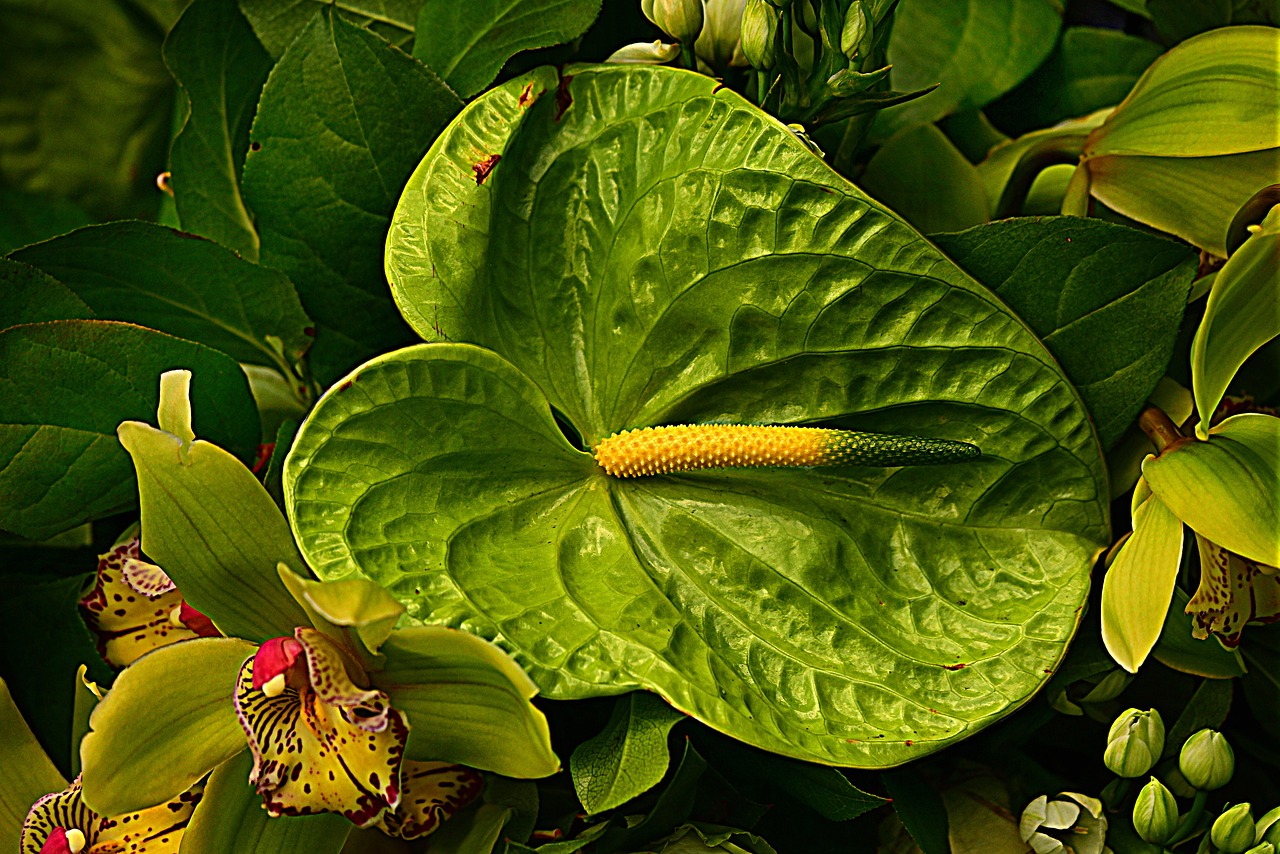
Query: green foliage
[[925, 179], [628, 757], [278, 22], [324, 171], [28, 772]]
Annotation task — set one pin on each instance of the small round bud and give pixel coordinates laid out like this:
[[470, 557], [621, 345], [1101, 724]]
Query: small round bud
[[681, 18], [1134, 743], [1232, 832], [1207, 760], [759, 28], [1155, 813], [645, 53], [857, 31]]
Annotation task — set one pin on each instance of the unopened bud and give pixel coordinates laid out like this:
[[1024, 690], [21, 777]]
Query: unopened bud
[[759, 28], [682, 19], [1207, 760], [1134, 743], [1155, 813], [645, 53], [1232, 832], [857, 31]]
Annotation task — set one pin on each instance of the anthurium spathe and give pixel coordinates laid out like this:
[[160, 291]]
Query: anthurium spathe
[[329, 703], [1224, 489]]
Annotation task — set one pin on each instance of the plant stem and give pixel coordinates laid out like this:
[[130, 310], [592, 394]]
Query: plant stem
[[762, 87], [688, 57], [1052, 151], [1188, 824], [1159, 428]]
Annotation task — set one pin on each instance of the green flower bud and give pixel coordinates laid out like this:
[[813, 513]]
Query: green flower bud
[[720, 44], [1207, 761], [681, 18], [1134, 743], [645, 53], [1155, 813], [759, 26], [857, 33], [1232, 832], [1268, 828]]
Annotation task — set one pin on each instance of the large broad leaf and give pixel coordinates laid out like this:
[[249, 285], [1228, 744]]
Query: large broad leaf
[[64, 386], [30, 296], [221, 67], [1089, 69], [1106, 300], [180, 284], [278, 22], [166, 722], [469, 42], [665, 253], [84, 112], [977, 50], [231, 818], [28, 773], [343, 119]]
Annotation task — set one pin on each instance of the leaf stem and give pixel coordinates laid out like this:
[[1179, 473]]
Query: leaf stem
[[688, 57], [1052, 151], [1159, 428], [1188, 824]]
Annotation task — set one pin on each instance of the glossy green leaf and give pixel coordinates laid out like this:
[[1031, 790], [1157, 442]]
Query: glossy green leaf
[[1242, 314], [468, 43], [1190, 197], [1225, 488], [1106, 300], [167, 721], [977, 50], [231, 818], [1214, 94], [64, 386], [220, 65], [212, 526], [26, 774], [727, 276], [466, 701], [180, 284], [27, 218], [628, 757], [278, 22], [1090, 68], [1139, 584], [924, 178], [343, 119], [31, 296], [90, 125]]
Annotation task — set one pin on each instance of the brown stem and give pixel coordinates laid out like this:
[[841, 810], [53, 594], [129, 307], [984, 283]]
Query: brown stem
[[1159, 428]]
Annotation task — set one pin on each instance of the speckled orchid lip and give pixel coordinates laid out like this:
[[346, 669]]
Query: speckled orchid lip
[[61, 823]]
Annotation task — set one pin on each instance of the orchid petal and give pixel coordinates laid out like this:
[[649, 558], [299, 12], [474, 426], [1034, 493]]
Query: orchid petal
[[331, 682], [1233, 591], [57, 817], [431, 792], [310, 756], [147, 578], [129, 623], [275, 658], [355, 603], [1139, 585]]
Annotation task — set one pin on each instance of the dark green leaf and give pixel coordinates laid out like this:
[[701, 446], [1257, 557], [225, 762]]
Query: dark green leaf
[[727, 275], [218, 62], [628, 758], [278, 22], [166, 722], [27, 218], [343, 120], [1089, 69], [40, 665], [29, 296], [977, 50], [28, 773], [1106, 300], [85, 103], [66, 385], [1178, 20], [468, 43], [1207, 709], [927, 181], [179, 284], [921, 809], [231, 819], [670, 810]]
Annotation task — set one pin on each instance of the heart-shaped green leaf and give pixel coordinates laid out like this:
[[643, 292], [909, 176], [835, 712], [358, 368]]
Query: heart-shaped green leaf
[[665, 253], [628, 757], [167, 721]]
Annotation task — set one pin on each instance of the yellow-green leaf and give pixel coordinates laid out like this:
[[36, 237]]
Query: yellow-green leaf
[[26, 774], [1139, 585], [1242, 314], [1227, 488]]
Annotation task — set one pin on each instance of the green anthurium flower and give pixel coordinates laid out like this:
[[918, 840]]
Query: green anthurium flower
[[1223, 489], [326, 703], [1195, 137]]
